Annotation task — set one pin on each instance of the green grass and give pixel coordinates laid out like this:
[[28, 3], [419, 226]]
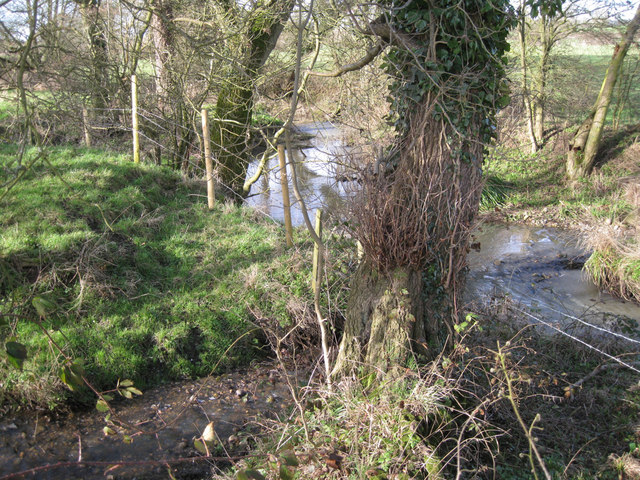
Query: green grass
[[524, 184], [148, 283], [7, 104]]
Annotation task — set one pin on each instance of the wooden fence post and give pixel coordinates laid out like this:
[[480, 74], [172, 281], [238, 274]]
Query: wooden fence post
[[206, 139], [85, 126], [134, 119], [286, 201], [317, 258]]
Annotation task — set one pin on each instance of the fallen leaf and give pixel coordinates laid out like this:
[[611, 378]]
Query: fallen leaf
[[334, 461]]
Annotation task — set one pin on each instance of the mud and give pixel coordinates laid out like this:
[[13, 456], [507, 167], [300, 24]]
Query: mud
[[171, 415]]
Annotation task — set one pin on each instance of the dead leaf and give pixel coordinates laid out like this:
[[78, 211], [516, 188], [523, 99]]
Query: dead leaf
[[335, 461]]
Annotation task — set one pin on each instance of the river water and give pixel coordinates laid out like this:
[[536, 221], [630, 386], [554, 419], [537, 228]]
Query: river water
[[540, 270], [537, 269], [319, 163]]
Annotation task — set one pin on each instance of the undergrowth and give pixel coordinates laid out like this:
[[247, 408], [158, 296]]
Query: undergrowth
[[457, 418]]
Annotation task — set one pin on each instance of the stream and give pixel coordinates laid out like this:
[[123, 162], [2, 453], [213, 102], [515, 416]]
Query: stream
[[536, 268], [176, 413], [540, 269], [319, 164]]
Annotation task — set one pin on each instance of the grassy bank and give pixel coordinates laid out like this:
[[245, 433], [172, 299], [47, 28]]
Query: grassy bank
[[147, 283], [460, 417]]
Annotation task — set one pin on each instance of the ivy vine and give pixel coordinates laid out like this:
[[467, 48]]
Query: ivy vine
[[460, 58]]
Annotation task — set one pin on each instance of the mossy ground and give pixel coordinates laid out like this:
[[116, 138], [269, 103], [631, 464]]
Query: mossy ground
[[148, 283]]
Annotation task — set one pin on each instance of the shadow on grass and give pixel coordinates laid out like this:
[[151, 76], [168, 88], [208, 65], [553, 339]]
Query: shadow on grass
[[614, 144]]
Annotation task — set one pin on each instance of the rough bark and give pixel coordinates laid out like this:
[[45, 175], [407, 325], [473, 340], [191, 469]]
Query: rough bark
[[526, 96], [385, 309], [540, 99], [163, 42], [404, 297], [583, 148], [30, 132], [230, 128], [170, 93], [230, 132]]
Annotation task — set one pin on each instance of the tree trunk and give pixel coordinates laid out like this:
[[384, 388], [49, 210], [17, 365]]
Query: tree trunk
[[526, 94], [172, 103], [99, 55], [584, 146], [383, 312], [404, 296], [29, 130], [234, 107], [541, 81], [230, 132], [163, 43]]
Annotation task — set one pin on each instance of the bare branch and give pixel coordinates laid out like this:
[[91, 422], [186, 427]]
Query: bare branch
[[371, 54], [381, 29]]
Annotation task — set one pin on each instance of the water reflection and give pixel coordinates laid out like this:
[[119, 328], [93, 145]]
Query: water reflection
[[540, 268], [317, 167]]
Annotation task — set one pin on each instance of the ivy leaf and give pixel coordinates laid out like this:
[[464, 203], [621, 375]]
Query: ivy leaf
[[290, 459], [43, 306], [17, 353], [286, 473], [250, 475], [16, 349]]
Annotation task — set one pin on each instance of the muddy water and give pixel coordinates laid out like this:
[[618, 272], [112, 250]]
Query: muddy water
[[176, 413], [541, 269]]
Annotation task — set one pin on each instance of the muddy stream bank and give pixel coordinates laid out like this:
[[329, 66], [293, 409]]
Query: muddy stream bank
[[177, 413]]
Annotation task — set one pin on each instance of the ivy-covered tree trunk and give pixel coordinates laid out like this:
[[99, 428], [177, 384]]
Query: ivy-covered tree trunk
[[413, 219], [414, 227], [234, 106], [584, 146]]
